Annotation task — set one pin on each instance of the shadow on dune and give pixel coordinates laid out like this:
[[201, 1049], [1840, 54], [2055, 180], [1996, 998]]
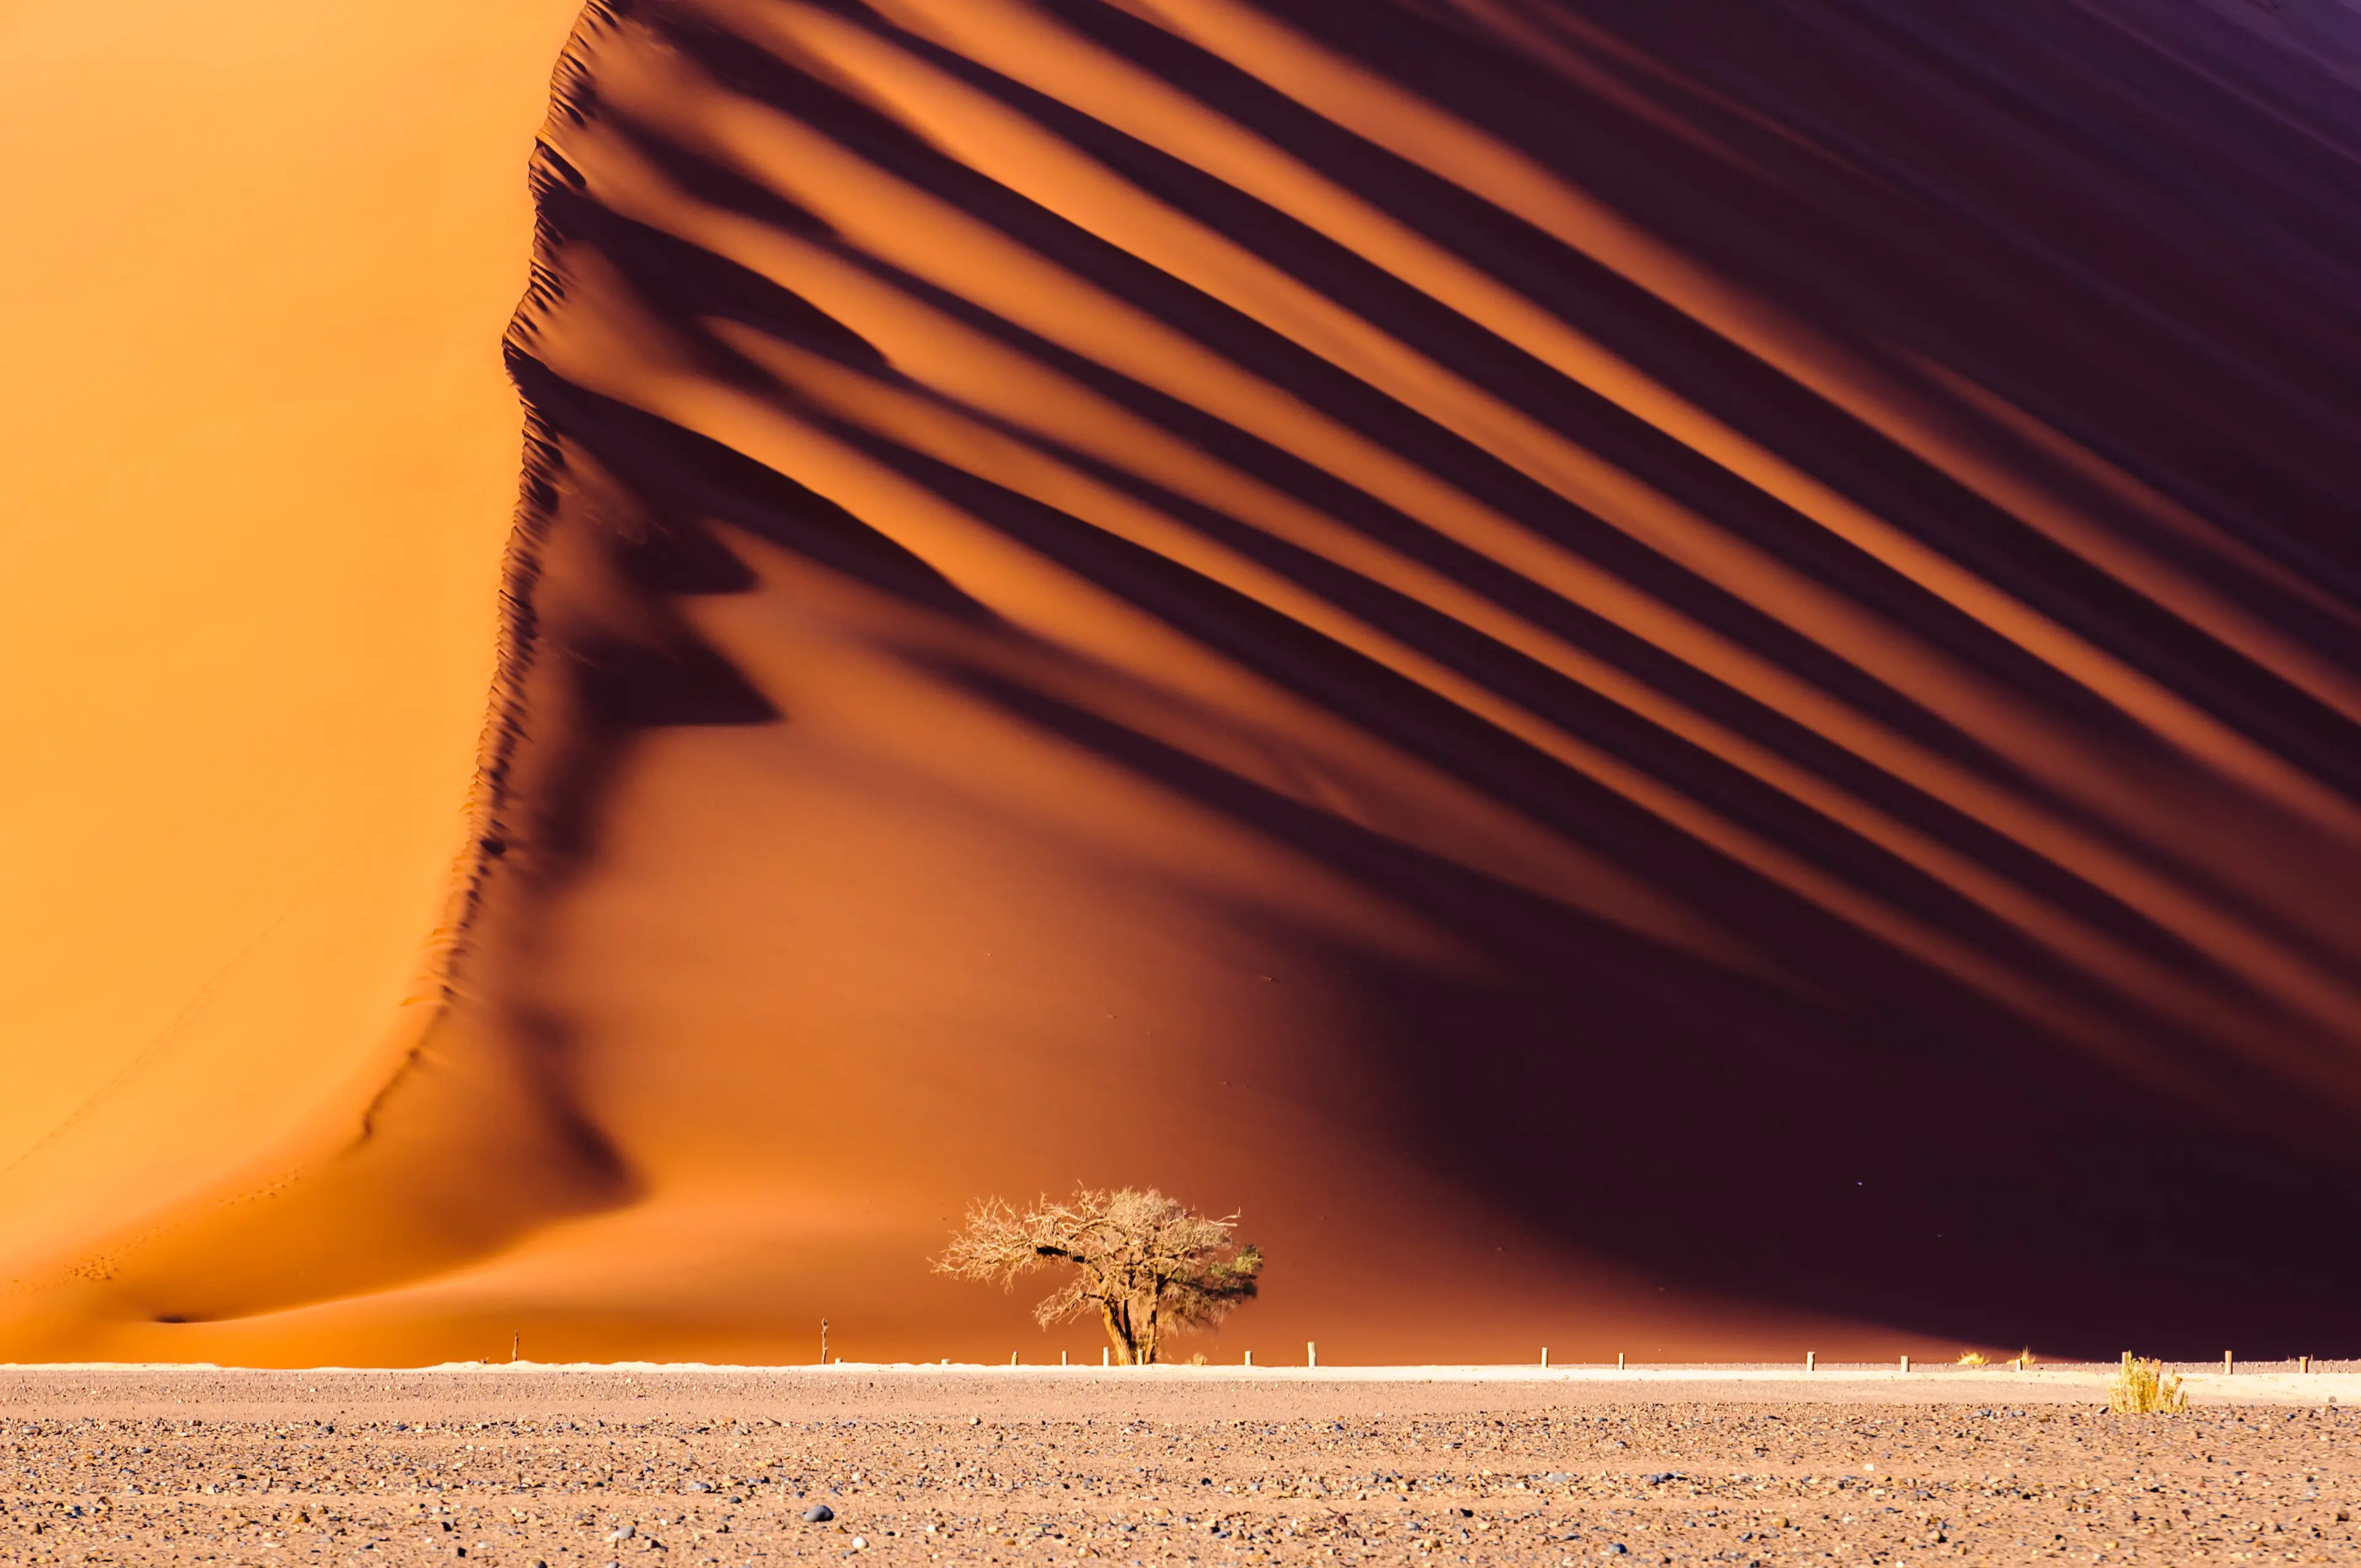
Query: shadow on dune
[[1909, 531], [1916, 1157]]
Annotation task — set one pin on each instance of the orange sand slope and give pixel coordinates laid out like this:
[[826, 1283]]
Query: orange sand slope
[[256, 469], [1656, 677]]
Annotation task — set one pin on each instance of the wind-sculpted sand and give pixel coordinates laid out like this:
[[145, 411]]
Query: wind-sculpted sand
[[258, 468], [616, 1466], [1673, 678]]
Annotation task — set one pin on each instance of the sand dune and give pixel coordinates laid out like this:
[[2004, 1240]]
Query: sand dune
[[257, 473], [1678, 679]]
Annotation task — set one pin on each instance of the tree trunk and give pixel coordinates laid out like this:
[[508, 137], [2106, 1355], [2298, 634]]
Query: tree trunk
[[1118, 1329]]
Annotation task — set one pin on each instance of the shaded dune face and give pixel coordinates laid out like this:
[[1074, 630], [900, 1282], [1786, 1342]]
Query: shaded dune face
[[1562, 649]]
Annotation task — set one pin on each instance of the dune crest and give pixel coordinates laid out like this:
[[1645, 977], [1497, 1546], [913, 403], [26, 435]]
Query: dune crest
[[1642, 675]]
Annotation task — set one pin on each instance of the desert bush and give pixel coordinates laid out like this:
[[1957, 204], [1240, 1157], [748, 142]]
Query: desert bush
[[1146, 1264], [2145, 1388], [1972, 1358]]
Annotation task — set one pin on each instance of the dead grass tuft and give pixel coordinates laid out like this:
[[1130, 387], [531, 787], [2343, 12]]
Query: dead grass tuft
[[2145, 1388], [1972, 1358]]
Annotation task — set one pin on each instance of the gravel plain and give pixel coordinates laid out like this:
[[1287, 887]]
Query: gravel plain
[[646, 1468]]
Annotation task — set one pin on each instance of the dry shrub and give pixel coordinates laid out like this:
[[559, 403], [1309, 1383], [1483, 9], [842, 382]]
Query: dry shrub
[[1972, 1358], [2145, 1388]]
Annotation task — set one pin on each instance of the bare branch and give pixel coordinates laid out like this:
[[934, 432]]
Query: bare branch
[[1146, 1264]]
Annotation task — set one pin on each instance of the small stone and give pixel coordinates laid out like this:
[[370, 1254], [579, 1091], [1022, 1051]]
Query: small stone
[[860, 1543], [623, 1533], [1618, 1549], [819, 1513], [699, 1486]]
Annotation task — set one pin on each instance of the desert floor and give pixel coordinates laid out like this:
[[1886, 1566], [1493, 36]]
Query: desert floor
[[609, 1466]]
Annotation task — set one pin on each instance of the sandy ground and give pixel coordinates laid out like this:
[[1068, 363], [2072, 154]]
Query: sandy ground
[[612, 1466]]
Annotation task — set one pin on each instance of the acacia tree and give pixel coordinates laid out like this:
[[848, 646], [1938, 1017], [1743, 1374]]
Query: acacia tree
[[1146, 1264]]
